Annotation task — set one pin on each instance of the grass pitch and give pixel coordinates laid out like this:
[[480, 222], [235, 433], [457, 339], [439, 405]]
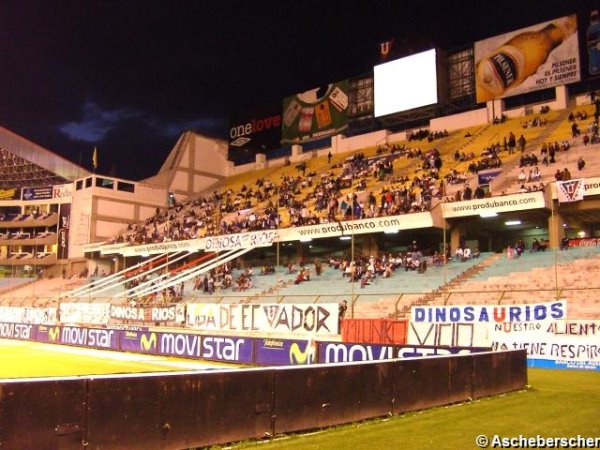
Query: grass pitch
[[560, 403], [19, 359]]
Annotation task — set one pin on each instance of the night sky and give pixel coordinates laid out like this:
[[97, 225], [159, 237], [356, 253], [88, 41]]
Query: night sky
[[130, 76]]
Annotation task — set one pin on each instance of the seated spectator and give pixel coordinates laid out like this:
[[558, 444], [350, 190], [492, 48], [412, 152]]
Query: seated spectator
[[459, 254], [580, 163], [467, 253], [558, 176]]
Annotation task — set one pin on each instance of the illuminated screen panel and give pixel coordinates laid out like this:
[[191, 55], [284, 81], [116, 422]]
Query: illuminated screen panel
[[405, 83]]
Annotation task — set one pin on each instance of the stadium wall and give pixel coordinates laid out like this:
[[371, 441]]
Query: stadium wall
[[99, 213], [459, 121], [193, 410]]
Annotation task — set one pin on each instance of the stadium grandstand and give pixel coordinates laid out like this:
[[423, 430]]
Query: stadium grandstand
[[388, 221]]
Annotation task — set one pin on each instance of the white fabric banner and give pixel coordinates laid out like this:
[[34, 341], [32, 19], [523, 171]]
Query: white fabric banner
[[570, 191], [302, 319]]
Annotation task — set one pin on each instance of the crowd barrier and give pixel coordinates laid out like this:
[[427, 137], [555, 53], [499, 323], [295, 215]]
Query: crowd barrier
[[197, 410]]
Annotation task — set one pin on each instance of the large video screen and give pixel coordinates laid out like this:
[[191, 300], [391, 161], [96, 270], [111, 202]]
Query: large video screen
[[405, 83], [525, 60]]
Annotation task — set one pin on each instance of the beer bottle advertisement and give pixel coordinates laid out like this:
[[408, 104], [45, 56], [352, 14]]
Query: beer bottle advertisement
[[537, 57]]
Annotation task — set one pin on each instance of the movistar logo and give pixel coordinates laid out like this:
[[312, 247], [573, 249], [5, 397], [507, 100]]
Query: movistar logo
[[148, 343], [299, 357], [53, 334]]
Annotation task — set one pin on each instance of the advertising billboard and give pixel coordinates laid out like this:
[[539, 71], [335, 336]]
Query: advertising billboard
[[10, 194], [405, 83], [37, 193], [254, 132], [64, 220], [315, 114], [537, 57]]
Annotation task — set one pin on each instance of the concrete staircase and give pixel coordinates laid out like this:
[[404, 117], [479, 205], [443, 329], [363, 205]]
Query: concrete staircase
[[439, 295], [506, 179]]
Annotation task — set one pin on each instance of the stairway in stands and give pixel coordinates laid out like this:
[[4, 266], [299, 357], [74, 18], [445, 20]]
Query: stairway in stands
[[504, 181], [438, 296]]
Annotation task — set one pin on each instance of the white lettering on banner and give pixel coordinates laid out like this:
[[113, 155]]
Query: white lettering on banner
[[180, 344], [15, 331], [584, 242], [514, 202], [357, 352], [320, 319], [489, 313], [222, 348], [87, 337]]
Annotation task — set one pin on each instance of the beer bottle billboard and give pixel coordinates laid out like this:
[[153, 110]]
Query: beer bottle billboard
[[538, 57]]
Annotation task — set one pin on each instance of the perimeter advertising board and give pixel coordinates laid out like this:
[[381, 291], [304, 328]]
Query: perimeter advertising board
[[336, 352], [284, 352], [537, 57], [315, 113]]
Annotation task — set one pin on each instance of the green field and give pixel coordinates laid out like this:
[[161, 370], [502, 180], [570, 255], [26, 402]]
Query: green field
[[559, 403], [32, 360]]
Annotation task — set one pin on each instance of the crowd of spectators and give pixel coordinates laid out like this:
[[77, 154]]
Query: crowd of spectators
[[421, 134]]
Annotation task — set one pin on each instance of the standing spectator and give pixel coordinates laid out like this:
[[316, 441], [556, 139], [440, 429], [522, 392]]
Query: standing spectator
[[512, 143], [343, 308], [580, 163], [522, 143], [479, 192]]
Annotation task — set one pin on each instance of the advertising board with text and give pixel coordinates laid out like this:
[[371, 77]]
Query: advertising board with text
[[537, 57]]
